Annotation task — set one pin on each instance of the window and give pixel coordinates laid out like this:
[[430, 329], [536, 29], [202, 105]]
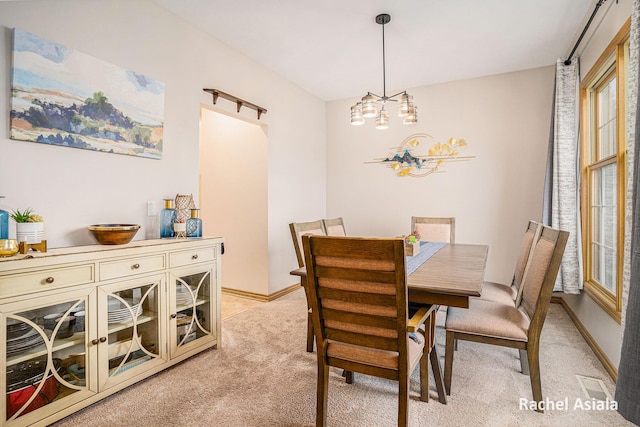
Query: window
[[604, 173]]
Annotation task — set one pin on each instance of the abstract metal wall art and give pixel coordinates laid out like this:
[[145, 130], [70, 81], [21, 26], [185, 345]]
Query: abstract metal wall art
[[406, 162]]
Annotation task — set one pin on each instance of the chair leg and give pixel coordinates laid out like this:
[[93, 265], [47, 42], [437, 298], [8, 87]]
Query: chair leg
[[448, 360], [524, 362], [310, 334], [323, 388], [424, 377], [534, 375], [403, 401], [348, 375]]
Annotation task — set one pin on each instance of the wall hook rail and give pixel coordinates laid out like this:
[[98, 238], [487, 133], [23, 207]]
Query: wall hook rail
[[239, 102]]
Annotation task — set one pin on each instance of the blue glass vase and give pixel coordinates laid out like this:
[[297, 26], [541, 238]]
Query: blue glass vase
[[194, 224], [4, 223], [167, 219]]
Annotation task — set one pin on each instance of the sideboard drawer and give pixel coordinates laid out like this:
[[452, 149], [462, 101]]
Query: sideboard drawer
[[127, 267], [44, 280], [194, 256]]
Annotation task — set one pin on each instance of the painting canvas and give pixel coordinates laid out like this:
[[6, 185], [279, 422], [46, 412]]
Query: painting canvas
[[60, 96]]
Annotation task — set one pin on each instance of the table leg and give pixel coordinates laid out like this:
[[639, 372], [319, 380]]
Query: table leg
[[437, 375], [435, 360]]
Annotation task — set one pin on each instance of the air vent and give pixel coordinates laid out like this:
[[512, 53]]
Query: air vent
[[594, 388]]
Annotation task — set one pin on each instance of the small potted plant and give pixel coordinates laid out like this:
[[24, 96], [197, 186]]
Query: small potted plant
[[412, 244], [29, 226]]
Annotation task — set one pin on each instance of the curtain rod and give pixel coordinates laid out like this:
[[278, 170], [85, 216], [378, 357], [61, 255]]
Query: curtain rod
[[584, 30]]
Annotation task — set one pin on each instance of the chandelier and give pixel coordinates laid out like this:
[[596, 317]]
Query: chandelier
[[368, 107]]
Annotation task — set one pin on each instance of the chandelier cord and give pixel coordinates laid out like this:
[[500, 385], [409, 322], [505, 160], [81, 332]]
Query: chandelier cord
[[384, 68]]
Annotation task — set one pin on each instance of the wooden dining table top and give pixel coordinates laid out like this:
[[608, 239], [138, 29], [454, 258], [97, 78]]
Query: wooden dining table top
[[450, 277]]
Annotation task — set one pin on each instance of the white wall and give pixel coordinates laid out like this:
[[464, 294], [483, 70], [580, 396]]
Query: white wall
[[505, 120], [73, 188]]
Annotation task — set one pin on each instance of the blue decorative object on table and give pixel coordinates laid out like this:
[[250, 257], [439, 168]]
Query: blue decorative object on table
[[4, 223], [167, 219], [194, 224]]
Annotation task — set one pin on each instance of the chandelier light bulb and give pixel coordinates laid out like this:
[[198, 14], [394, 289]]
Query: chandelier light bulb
[[356, 114], [369, 106], [406, 102], [412, 116], [382, 122]]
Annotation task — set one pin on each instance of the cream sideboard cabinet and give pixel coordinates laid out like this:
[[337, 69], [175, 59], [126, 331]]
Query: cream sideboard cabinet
[[81, 323]]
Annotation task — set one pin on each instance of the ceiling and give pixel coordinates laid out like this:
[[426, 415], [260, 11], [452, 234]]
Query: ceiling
[[333, 48]]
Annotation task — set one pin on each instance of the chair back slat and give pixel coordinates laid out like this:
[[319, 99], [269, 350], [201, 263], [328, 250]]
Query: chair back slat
[[434, 229], [364, 298], [359, 319], [342, 275], [362, 340]]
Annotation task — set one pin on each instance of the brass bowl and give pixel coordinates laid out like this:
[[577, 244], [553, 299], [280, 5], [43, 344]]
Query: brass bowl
[[114, 234], [8, 247]]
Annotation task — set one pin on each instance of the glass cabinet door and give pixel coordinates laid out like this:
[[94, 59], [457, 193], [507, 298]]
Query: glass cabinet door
[[130, 338], [192, 321], [46, 354]]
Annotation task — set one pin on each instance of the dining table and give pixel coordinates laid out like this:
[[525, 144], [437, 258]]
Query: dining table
[[449, 276]]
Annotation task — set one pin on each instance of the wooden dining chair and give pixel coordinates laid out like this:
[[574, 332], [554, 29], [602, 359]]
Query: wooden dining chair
[[334, 227], [509, 294], [358, 294], [504, 325], [297, 230], [433, 229]]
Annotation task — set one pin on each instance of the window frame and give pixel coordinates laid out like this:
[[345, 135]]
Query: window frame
[[613, 62]]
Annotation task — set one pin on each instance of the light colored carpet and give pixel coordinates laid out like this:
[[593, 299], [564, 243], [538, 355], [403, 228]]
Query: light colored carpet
[[262, 376]]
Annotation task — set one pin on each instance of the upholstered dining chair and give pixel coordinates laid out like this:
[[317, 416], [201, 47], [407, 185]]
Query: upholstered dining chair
[[358, 293], [297, 230], [510, 294], [504, 325], [334, 227], [434, 229]]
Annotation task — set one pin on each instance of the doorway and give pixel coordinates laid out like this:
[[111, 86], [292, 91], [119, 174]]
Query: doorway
[[233, 197]]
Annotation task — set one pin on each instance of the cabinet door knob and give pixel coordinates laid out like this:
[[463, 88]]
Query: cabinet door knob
[[135, 266], [174, 315], [49, 279], [103, 339], [94, 341], [194, 257]]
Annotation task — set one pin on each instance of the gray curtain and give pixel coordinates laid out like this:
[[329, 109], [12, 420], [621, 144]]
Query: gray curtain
[[628, 386], [561, 203]]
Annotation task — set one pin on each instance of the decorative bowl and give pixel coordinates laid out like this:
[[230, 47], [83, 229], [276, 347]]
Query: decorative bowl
[[114, 234], [8, 247]]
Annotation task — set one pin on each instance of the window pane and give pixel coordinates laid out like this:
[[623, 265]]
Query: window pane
[[606, 120], [604, 226]]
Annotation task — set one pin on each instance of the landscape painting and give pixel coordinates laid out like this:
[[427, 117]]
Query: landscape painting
[[60, 96]]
